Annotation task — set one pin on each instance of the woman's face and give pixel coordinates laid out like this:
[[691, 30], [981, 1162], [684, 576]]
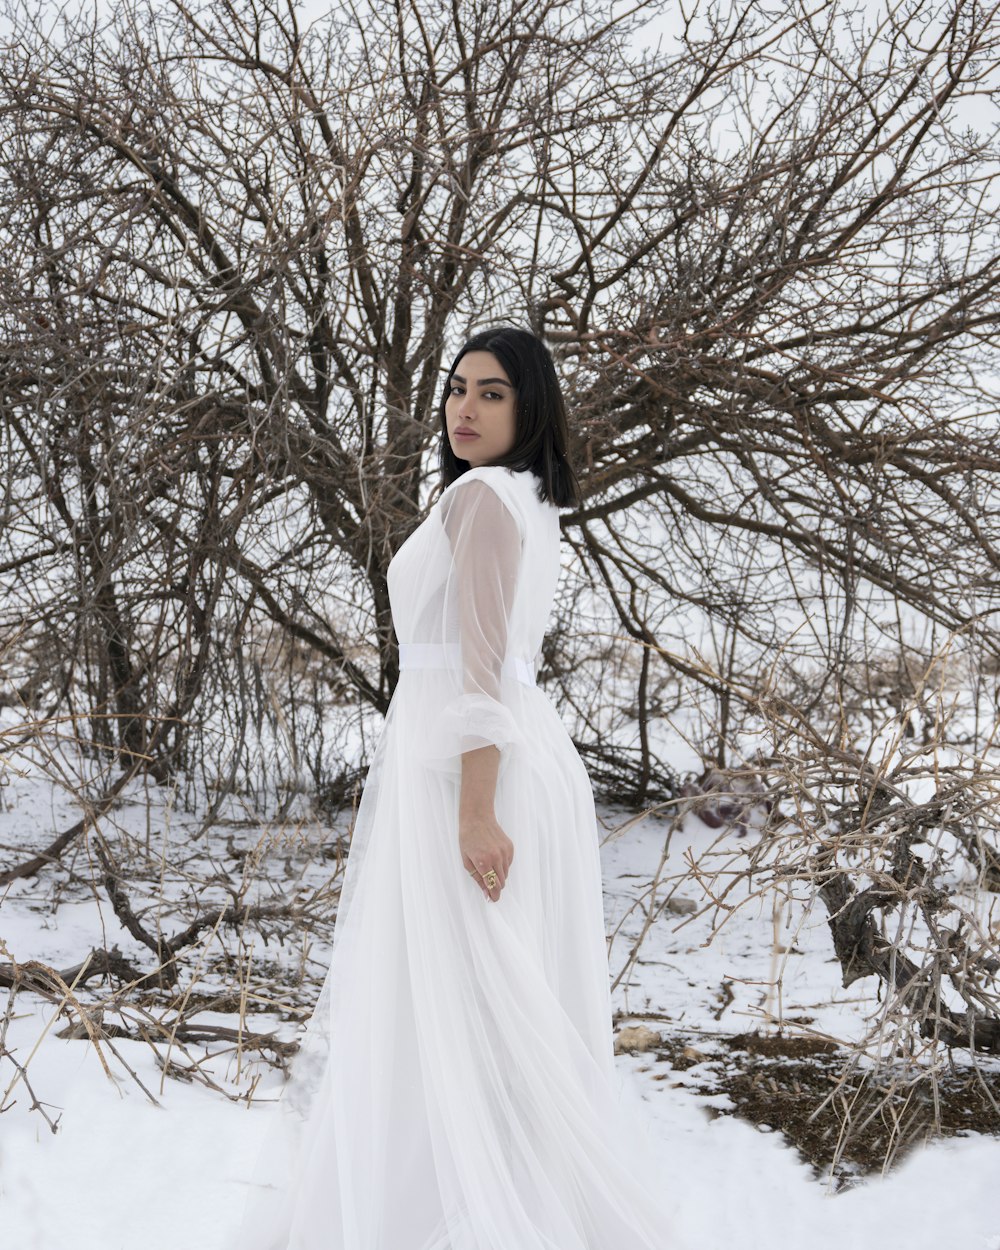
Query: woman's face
[[481, 400]]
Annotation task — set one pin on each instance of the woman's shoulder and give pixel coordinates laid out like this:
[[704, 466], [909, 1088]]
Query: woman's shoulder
[[484, 472], [500, 477], [507, 485]]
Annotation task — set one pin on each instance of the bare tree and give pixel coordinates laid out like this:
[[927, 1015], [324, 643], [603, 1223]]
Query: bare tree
[[235, 252]]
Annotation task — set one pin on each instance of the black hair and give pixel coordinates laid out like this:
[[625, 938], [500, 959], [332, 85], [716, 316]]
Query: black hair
[[541, 431]]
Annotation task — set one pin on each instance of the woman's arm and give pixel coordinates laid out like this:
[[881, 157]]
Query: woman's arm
[[486, 548], [482, 841]]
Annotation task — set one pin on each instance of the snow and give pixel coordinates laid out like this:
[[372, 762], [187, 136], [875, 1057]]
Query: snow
[[122, 1171]]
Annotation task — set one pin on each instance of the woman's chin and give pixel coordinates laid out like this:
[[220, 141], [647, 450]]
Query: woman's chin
[[471, 461]]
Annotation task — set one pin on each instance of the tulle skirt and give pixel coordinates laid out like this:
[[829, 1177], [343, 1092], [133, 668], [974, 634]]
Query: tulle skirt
[[455, 1087]]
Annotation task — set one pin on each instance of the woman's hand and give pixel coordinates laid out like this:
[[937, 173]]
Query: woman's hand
[[484, 845]]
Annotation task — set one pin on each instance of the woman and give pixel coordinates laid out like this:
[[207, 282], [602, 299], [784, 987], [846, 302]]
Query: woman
[[456, 1088]]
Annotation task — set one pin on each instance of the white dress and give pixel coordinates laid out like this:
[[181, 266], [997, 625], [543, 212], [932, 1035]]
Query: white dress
[[455, 1089]]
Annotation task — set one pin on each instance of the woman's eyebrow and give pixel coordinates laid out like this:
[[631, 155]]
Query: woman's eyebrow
[[482, 381]]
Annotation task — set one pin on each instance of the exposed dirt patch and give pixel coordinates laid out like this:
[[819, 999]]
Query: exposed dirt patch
[[785, 1084]]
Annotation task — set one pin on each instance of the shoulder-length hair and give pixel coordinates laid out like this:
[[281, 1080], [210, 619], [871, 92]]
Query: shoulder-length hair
[[542, 434]]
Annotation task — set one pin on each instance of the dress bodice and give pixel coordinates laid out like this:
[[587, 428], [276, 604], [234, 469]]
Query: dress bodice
[[471, 590], [451, 567]]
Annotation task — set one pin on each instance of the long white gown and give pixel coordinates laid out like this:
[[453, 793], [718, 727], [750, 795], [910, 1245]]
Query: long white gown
[[455, 1089]]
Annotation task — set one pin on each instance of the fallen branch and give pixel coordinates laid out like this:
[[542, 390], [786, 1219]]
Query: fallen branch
[[40, 978], [196, 1034]]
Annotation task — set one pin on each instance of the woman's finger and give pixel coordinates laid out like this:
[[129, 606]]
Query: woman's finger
[[480, 874], [477, 876], [484, 872]]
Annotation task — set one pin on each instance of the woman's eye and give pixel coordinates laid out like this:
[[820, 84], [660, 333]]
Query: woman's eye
[[454, 390]]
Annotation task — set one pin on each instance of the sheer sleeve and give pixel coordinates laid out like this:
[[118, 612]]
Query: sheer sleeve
[[484, 537]]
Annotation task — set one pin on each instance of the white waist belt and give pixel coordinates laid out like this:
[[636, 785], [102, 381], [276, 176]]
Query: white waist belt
[[449, 655]]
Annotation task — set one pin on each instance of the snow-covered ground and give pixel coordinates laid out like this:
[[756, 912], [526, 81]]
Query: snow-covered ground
[[122, 1171]]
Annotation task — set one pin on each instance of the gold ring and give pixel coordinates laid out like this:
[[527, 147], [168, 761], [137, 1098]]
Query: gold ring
[[492, 884]]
